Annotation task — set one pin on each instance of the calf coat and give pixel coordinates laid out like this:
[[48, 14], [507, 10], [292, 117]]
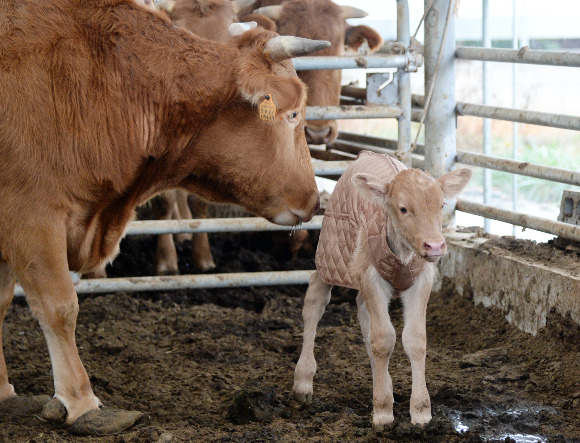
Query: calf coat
[[346, 213], [106, 103]]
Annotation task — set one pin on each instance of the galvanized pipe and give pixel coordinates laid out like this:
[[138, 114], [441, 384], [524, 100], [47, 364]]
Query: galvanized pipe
[[551, 173], [440, 138], [486, 37], [526, 56], [375, 141], [404, 80], [354, 148], [520, 116], [314, 63], [330, 167], [351, 112], [242, 224], [560, 229], [203, 281]]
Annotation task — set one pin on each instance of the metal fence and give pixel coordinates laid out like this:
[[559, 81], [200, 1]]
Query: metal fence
[[438, 155]]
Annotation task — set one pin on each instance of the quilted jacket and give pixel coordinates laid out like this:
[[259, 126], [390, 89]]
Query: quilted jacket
[[346, 213]]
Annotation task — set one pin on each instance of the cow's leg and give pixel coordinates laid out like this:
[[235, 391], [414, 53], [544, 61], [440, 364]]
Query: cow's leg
[[183, 213], [9, 401], [164, 206], [381, 336], [415, 343], [6, 294], [317, 297], [200, 250], [42, 269]]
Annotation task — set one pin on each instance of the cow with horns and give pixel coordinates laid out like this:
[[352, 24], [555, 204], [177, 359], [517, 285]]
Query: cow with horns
[[105, 104]]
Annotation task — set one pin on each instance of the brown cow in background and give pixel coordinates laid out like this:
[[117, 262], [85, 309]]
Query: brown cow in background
[[319, 19], [94, 123]]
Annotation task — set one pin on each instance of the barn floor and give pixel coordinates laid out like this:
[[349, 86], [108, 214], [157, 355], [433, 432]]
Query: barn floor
[[201, 362]]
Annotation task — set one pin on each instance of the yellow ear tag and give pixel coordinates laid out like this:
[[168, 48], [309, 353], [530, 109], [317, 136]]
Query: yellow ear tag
[[268, 109]]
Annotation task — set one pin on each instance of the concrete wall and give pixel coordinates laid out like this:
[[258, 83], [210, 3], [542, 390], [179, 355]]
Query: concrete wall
[[525, 292]]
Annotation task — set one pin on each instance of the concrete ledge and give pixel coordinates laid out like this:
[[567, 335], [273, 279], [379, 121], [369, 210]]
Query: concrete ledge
[[526, 292]]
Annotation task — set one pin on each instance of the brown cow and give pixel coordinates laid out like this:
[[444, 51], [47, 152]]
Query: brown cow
[[320, 19], [104, 104]]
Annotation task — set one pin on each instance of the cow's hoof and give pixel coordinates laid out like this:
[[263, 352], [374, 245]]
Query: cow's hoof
[[54, 411], [382, 420], [105, 421], [23, 406], [205, 265]]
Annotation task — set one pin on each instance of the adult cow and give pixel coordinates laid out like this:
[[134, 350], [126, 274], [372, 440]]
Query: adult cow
[[320, 19], [105, 104]]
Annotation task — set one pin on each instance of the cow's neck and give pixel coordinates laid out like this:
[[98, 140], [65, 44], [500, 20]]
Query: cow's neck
[[397, 243]]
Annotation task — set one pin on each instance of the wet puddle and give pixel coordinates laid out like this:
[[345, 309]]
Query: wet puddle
[[521, 424]]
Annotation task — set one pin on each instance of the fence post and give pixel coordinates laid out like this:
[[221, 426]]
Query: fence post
[[404, 126], [440, 120]]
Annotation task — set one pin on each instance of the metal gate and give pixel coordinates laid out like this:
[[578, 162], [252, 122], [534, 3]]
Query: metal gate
[[437, 156]]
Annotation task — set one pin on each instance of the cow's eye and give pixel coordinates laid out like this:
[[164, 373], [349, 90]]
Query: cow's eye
[[293, 115], [403, 210]]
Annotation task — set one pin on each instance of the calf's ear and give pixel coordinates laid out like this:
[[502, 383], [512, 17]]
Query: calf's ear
[[453, 182], [370, 187], [356, 35]]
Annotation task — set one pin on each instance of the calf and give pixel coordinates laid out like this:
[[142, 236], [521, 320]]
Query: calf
[[106, 103], [381, 234]]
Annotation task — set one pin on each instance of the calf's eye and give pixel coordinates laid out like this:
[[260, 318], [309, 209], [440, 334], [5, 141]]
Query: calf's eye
[[403, 210], [294, 114]]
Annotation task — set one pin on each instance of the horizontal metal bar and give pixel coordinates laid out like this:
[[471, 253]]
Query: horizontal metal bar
[[355, 148], [351, 112], [561, 229], [330, 167], [349, 62], [531, 57], [376, 141], [168, 283], [551, 173], [242, 224], [520, 116]]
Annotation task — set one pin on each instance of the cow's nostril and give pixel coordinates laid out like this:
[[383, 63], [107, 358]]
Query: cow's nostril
[[427, 246], [318, 136]]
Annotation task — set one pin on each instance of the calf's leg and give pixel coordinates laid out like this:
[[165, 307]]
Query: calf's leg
[[379, 335], [415, 301], [317, 297], [182, 213]]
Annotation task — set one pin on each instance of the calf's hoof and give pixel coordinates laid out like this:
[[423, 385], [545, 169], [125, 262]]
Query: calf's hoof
[[204, 265], [23, 406], [382, 420], [303, 396], [102, 421], [421, 419]]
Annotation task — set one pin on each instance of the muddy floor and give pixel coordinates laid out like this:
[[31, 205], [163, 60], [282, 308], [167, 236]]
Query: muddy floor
[[217, 365]]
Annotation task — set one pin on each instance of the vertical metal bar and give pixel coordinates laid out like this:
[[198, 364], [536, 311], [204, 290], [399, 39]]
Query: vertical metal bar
[[440, 120], [404, 130], [515, 105], [486, 121]]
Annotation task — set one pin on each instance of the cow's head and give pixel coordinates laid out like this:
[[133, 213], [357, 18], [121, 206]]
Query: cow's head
[[324, 20], [263, 165], [414, 205]]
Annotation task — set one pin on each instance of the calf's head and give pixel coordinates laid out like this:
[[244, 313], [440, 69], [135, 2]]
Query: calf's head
[[262, 164], [413, 202], [324, 20]]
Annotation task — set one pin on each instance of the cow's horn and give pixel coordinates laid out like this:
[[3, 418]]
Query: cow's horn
[[273, 12], [352, 12], [239, 5], [166, 5], [236, 29], [285, 47]]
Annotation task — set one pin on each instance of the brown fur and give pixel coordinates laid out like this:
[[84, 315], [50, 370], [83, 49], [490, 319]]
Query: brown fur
[[209, 19]]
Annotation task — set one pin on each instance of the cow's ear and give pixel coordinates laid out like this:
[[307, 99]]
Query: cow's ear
[[453, 182], [371, 188], [356, 35]]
